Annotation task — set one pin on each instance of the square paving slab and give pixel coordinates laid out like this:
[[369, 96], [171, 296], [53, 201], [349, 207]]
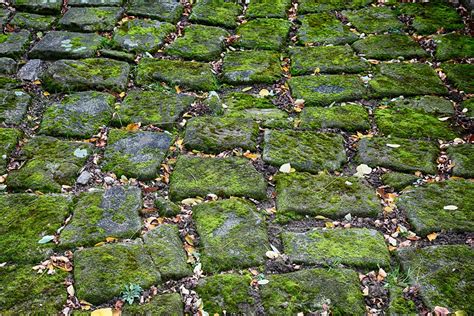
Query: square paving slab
[[13, 106], [268, 9], [269, 34], [460, 76], [323, 28], [429, 104], [349, 117], [163, 10], [33, 21], [453, 45], [14, 44], [374, 20], [88, 19], [309, 6], [389, 46]]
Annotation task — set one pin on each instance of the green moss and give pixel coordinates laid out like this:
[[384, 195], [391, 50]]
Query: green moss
[[3, 38], [167, 10], [310, 6], [216, 12], [13, 106], [323, 28], [453, 45], [428, 104], [163, 304], [14, 44], [374, 20], [166, 207], [462, 157], [38, 6], [8, 139], [266, 34], [351, 117], [268, 9], [398, 180], [399, 305], [389, 46], [32, 21], [460, 76], [90, 19]]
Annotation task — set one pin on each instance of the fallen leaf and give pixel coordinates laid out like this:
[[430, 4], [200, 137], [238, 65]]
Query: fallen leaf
[[432, 236], [70, 290], [251, 156], [111, 239], [329, 224], [80, 153], [362, 170], [271, 254], [191, 201], [46, 93], [263, 282], [102, 312], [264, 93], [122, 94], [285, 168], [450, 207], [46, 239], [37, 82], [393, 145], [442, 119], [246, 89], [133, 127]]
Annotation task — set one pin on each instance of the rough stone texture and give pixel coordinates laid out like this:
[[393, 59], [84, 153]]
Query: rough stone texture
[[398, 180], [195, 176], [136, 154], [166, 250], [325, 59], [216, 12], [463, 158], [460, 76], [186, 74], [24, 220], [305, 151], [32, 21], [8, 139], [116, 54], [164, 10], [326, 89], [324, 28], [245, 67], [79, 115], [163, 304], [90, 19], [268, 9], [358, 247], [14, 44], [232, 235], [303, 194], [425, 206], [4, 16], [7, 66], [101, 214], [215, 134], [96, 282], [38, 6], [13, 106], [374, 20], [308, 290], [268, 34], [428, 104], [432, 269], [451, 46], [410, 156], [94, 3], [309, 6], [166, 207], [350, 117], [389, 46], [31, 70]]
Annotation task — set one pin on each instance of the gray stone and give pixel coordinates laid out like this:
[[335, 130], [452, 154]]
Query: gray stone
[[84, 177], [31, 70], [389, 46], [94, 3], [7, 66], [324, 28], [462, 157], [13, 106], [164, 10], [85, 19], [14, 44], [32, 21], [428, 104], [4, 15], [115, 54], [39, 6]]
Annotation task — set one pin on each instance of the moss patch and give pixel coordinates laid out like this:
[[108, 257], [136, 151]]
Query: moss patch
[[451, 46], [38, 6], [398, 181], [216, 12], [350, 117], [164, 10], [428, 104], [13, 106], [14, 44], [463, 159], [8, 139], [269, 34], [309, 6], [324, 28], [8, 66], [163, 304], [37, 22], [268, 9], [374, 20], [90, 19], [389, 46], [460, 76]]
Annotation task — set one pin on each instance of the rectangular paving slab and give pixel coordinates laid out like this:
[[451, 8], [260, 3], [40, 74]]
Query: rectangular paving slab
[[38, 6], [196, 176], [389, 46], [268, 9], [95, 3], [429, 104], [323, 28], [33, 21], [8, 139], [349, 117], [309, 6], [374, 20], [14, 44], [232, 235], [90, 19], [216, 12], [163, 10], [462, 157], [13, 106], [267, 34]]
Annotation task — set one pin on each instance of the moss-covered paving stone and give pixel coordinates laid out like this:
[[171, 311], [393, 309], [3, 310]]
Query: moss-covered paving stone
[[429, 17], [245, 67], [100, 214], [398, 180], [374, 20], [266, 34], [216, 12], [13, 106], [349, 117], [32, 21], [467, 107], [460, 76], [200, 42], [101, 273], [323, 28], [399, 154], [78, 115], [166, 250], [300, 194], [268, 9], [164, 10], [444, 275], [304, 150], [462, 157], [50, 163], [136, 154], [94, 3], [326, 89], [389, 46], [38, 6], [4, 16], [187, 74], [158, 108], [90, 19], [216, 134], [8, 139], [358, 247], [7, 82], [428, 104], [225, 177], [226, 292], [70, 45], [8, 66], [441, 206], [406, 79], [313, 290], [24, 291], [86, 74], [453, 45], [142, 35], [310, 6], [325, 59], [14, 44], [163, 304], [24, 220], [232, 235]]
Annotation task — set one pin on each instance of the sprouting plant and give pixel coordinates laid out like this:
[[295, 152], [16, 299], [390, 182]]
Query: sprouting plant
[[397, 278], [131, 292]]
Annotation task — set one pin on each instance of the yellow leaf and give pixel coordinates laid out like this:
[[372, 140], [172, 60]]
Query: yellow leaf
[[99, 244], [111, 239], [133, 127], [264, 93], [37, 82], [102, 312], [46, 93], [329, 224], [178, 89], [246, 89], [392, 248], [432, 236], [317, 70], [122, 94], [189, 239], [460, 313]]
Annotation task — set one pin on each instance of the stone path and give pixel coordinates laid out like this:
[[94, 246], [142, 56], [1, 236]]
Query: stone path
[[285, 157]]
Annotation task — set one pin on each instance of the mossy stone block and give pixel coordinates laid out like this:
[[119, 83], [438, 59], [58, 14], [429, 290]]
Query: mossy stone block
[[95, 3], [8, 139], [195, 176], [38, 6], [429, 104], [37, 22], [444, 275], [8, 66], [163, 304], [186, 74], [397, 180], [140, 36], [389, 46], [313, 290], [9, 82], [200, 42], [166, 207], [407, 80], [101, 273], [410, 156], [374, 20], [86, 74], [216, 134], [4, 16], [226, 292], [326, 89], [265, 34], [101, 214], [24, 291], [468, 108], [301, 194], [453, 45], [78, 115], [14, 44], [166, 250], [399, 304], [246, 67], [325, 59], [357, 247], [463, 158], [90, 19], [460, 76], [324, 28], [232, 235], [350, 117], [163, 10], [116, 54], [216, 12], [268, 9], [425, 206], [311, 6], [136, 154], [13, 106], [304, 150], [24, 220]]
